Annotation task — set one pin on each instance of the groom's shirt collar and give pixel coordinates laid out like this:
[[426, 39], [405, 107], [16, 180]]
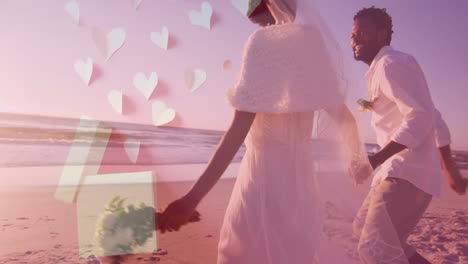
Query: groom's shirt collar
[[384, 50]]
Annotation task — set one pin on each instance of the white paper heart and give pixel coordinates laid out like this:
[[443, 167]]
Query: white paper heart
[[73, 10], [132, 148], [160, 39], [241, 5], [202, 18], [194, 78], [162, 114], [136, 3], [144, 85], [84, 69], [115, 99], [109, 43]]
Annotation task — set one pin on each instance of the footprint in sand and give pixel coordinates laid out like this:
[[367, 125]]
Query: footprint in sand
[[458, 213], [160, 252], [440, 238], [439, 248], [452, 257], [53, 234]]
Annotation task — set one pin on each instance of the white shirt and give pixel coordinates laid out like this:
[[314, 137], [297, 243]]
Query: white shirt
[[403, 112]]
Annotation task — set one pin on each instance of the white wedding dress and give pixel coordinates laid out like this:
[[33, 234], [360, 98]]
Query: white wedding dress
[[273, 215]]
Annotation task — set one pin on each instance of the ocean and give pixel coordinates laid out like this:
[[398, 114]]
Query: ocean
[[35, 141]]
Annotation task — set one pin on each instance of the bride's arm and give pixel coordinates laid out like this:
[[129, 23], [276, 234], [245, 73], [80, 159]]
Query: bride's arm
[[225, 152], [347, 127], [359, 167], [179, 212]]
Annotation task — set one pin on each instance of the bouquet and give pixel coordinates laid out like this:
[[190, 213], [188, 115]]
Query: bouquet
[[120, 230]]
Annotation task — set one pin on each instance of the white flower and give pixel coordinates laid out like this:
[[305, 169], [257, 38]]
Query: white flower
[[107, 244], [117, 226], [109, 221], [124, 236]]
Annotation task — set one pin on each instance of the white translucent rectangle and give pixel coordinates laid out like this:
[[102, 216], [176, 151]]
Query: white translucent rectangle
[[84, 158], [95, 194]]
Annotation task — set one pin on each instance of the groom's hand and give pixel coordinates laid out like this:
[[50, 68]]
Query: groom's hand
[[456, 181]]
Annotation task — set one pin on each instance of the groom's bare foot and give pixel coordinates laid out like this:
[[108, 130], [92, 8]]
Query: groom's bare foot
[[418, 259]]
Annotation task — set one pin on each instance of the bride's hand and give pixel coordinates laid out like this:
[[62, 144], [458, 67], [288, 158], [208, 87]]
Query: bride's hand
[[360, 169], [177, 214]]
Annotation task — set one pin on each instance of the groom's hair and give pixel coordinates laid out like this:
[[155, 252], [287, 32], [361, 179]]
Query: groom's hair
[[380, 17]]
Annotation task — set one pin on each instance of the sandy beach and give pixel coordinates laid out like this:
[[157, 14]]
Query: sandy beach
[[37, 228]]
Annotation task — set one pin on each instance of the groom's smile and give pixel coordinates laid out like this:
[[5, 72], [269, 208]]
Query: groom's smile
[[365, 40]]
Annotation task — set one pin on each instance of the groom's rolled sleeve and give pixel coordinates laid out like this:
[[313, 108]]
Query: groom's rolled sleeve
[[442, 133], [405, 85]]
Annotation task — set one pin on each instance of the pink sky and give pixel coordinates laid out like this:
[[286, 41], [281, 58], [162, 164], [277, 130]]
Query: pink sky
[[40, 44]]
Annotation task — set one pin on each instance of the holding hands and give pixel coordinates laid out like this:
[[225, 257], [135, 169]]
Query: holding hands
[[360, 168]]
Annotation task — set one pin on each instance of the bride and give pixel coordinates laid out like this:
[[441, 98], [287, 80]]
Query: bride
[[290, 71]]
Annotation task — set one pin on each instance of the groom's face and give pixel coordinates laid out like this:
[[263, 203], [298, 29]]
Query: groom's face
[[366, 40]]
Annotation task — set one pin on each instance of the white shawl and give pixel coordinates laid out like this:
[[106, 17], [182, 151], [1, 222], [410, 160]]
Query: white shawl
[[285, 68]]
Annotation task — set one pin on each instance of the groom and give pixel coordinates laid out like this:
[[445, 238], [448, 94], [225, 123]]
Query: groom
[[413, 137]]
